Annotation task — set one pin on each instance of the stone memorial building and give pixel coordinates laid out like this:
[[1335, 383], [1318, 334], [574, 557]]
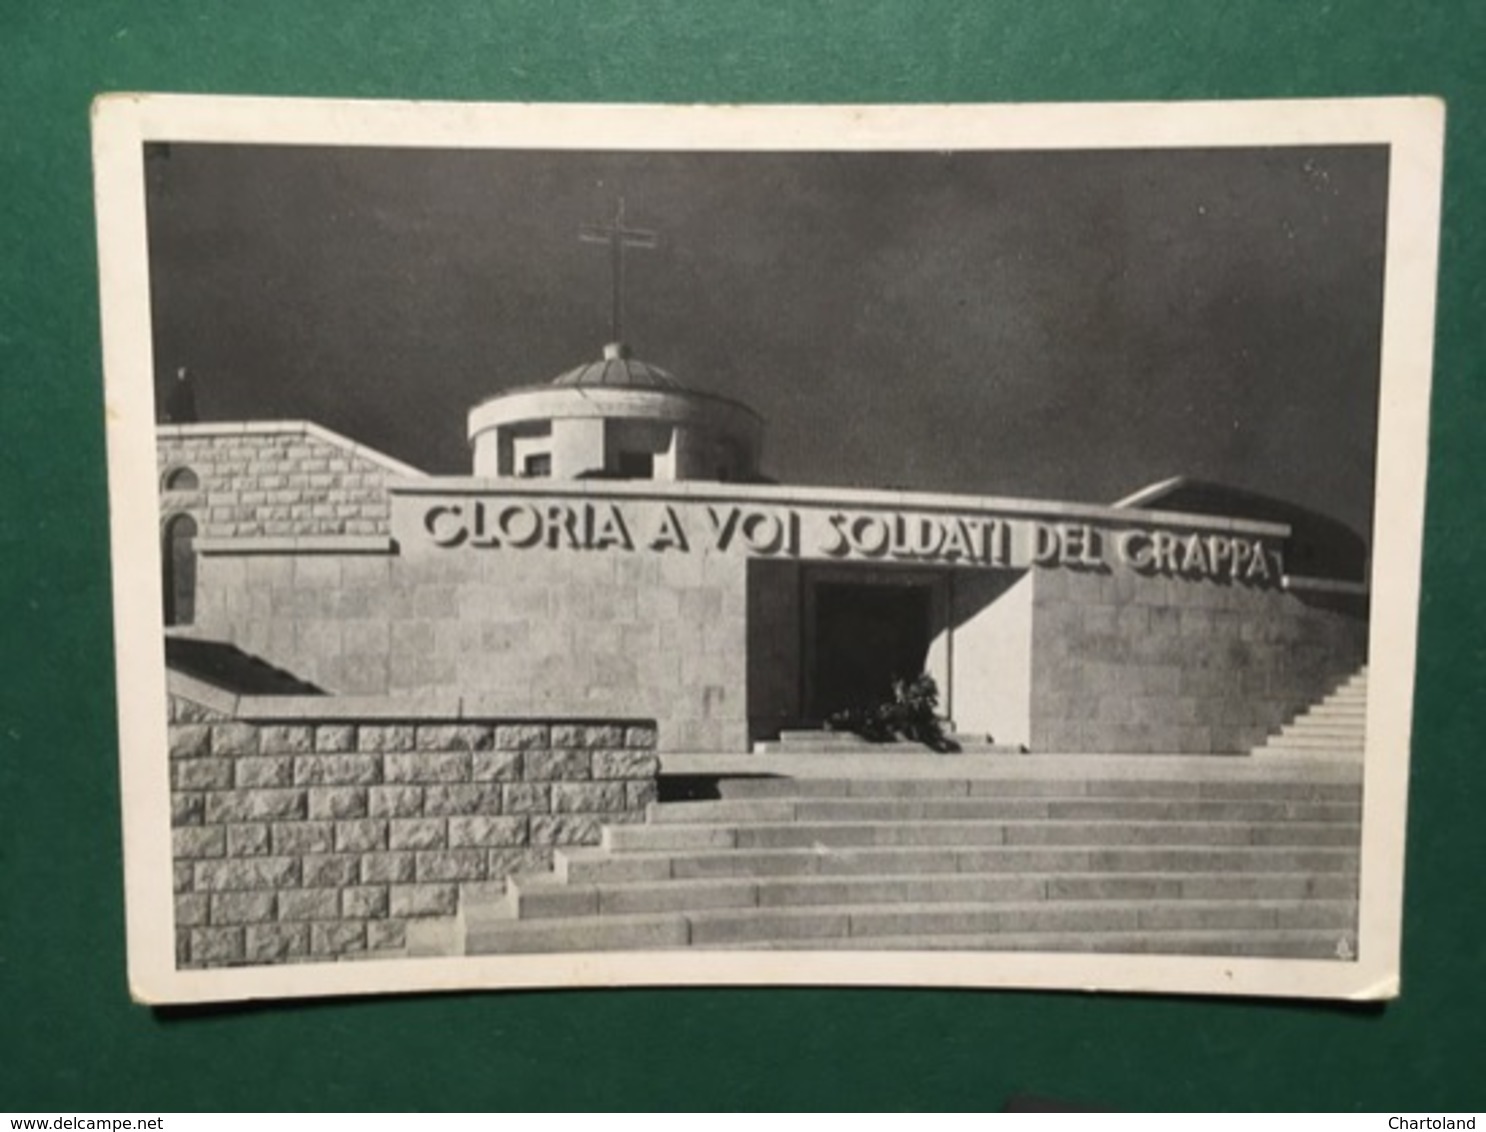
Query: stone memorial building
[[616, 550]]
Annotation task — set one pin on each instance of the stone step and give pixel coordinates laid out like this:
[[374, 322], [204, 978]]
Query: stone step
[[1256, 788], [734, 926], [1335, 752], [1332, 729], [822, 740], [1301, 740], [1357, 726], [806, 735], [1318, 743], [1333, 736], [546, 897], [1328, 709], [838, 742], [1328, 724], [785, 835], [1352, 728], [803, 927], [594, 865], [964, 809], [967, 742], [852, 745], [828, 741], [1356, 722], [816, 735], [1297, 943], [485, 936]]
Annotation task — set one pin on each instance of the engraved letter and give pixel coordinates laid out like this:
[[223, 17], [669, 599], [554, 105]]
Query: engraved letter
[[1195, 560], [611, 531], [723, 529], [1258, 564], [1046, 546], [1134, 548], [521, 525], [445, 533], [669, 535], [763, 532], [842, 546]]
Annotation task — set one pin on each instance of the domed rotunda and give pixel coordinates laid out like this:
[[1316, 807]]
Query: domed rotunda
[[615, 418]]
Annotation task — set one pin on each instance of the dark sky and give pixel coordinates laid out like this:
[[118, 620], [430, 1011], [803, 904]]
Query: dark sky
[[1060, 325]]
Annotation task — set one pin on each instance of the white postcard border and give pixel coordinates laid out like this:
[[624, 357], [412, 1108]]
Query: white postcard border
[[1412, 127]]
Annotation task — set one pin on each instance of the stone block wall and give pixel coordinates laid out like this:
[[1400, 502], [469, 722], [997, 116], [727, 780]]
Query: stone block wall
[[275, 480], [315, 840], [534, 632], [1124, 663]]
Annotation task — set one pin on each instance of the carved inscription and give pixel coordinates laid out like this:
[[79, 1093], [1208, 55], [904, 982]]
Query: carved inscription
[[918, 538], [1080, 546], [765, 532], [762, 531], [1163, 552], [522, 525]]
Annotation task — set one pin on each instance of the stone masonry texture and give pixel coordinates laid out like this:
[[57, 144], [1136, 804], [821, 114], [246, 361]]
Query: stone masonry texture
[[277, 484], [320, 840], [588, 634], [1148, 665]]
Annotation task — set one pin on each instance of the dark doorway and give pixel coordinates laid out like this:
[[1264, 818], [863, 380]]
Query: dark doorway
[[866, 635], [637, 465]]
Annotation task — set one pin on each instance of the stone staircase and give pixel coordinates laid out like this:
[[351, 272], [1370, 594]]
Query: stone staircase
[[1333, 728], [1134, 855], [816, 741]]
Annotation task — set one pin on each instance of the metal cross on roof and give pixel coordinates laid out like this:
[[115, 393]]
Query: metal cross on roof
[[618, 236]]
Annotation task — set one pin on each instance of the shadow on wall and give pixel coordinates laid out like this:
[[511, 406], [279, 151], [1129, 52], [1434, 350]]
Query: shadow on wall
[[226, 666]]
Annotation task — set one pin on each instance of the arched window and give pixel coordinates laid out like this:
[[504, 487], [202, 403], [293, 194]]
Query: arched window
[[178, 554], [182, 479]]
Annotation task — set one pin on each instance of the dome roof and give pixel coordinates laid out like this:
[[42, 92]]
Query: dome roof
[[618, 370]]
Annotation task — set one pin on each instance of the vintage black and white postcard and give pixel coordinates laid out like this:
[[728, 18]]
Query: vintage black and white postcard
[[592, 545]]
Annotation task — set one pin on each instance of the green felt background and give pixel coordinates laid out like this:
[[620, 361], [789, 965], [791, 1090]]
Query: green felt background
[[69, 1037]]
